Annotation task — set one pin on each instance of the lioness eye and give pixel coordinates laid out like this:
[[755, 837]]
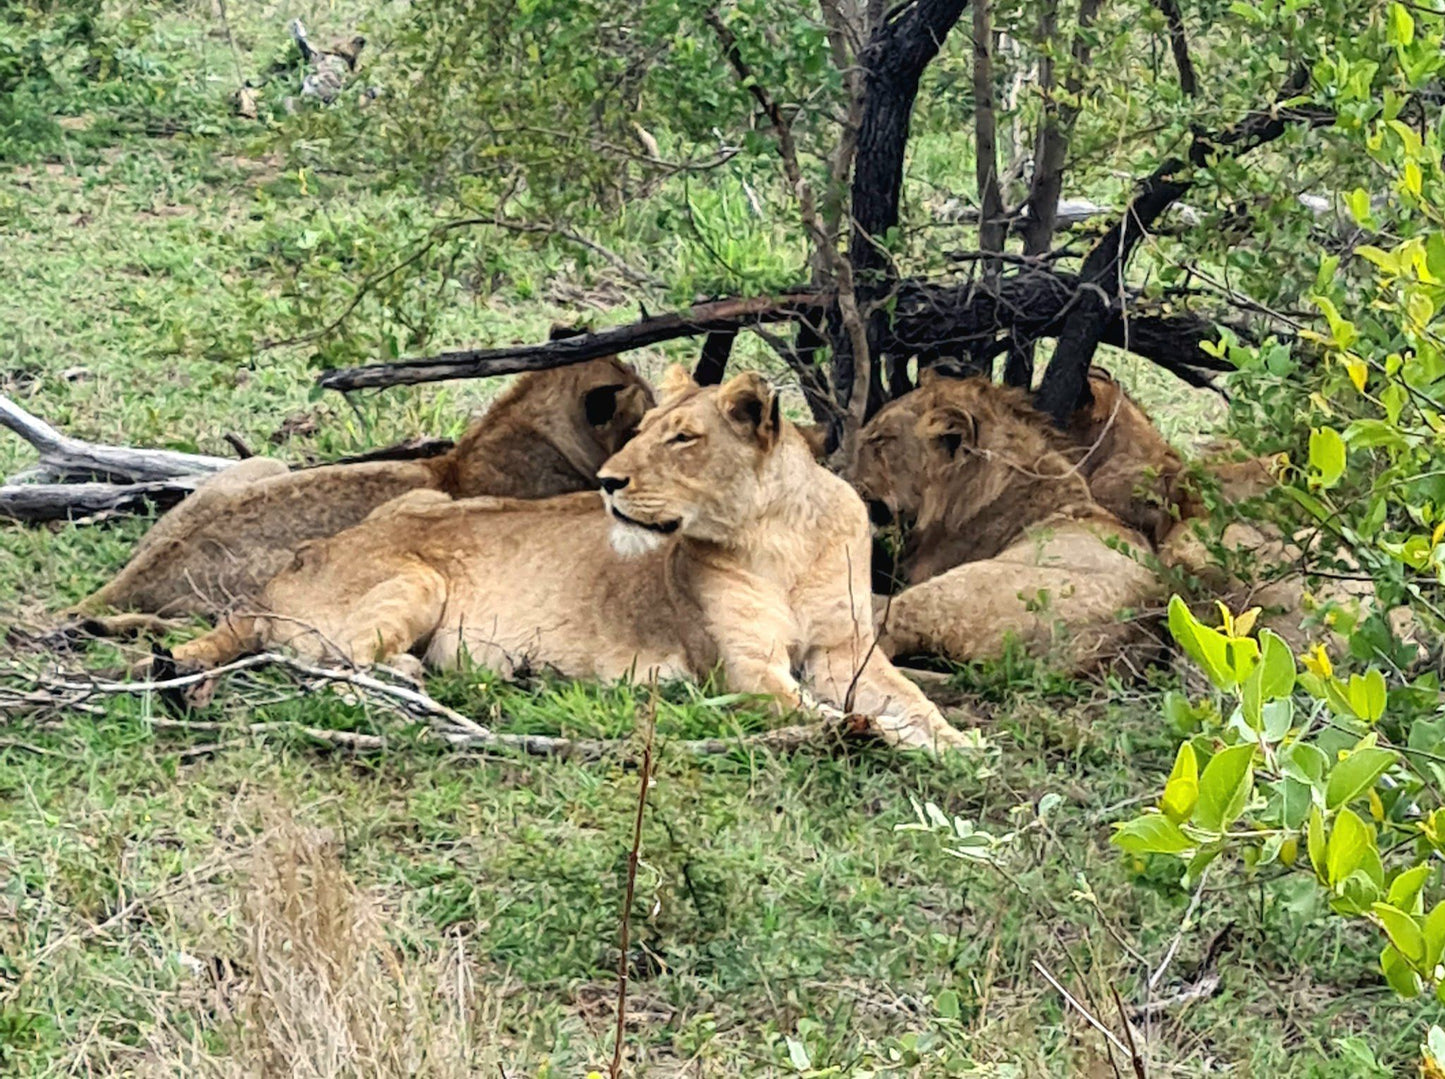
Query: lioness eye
[[682, 438]]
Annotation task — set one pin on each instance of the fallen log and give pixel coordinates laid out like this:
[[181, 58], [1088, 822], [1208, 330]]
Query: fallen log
[[66, 456], [37, 503]]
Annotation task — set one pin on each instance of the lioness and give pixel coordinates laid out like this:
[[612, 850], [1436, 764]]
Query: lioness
[[1006, 540], [717, 540], [546, 435]]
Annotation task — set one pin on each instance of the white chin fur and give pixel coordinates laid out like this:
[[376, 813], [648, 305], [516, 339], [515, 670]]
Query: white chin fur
[[632, 542]]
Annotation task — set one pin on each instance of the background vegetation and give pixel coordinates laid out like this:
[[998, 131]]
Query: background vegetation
[[226, 900]]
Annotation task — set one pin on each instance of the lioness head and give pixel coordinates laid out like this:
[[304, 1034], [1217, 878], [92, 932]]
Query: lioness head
[[695, 466]]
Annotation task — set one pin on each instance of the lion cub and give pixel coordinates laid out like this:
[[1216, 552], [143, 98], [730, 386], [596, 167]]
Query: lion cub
[[546, 435], [717, 541]]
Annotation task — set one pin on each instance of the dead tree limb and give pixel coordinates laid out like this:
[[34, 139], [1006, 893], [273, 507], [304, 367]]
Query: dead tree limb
[[713, 362], [64, 455], [36, 503], [1179, 46], [930, 320], [480, 363]]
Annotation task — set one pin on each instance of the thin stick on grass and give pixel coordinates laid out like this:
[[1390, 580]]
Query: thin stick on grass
[[625, 932]]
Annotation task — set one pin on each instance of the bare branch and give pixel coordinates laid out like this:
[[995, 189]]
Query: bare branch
[[71, 455]]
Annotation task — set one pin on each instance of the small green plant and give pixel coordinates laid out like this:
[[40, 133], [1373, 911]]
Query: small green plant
[[1289, 764]]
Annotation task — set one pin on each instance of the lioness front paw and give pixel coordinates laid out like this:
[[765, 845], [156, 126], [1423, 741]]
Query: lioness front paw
[[931, 735]]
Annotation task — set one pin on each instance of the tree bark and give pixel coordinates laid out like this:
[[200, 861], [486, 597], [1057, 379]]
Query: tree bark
[[713, 363], [482, 362], [992, 225], [36, 503], [894, 60], [1065, 386], [1056, 128]]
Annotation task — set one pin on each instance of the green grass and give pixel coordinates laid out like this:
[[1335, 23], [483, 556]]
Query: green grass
[[782, 924]]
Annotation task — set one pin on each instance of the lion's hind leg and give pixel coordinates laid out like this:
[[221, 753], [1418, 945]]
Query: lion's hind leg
[[333, 618]]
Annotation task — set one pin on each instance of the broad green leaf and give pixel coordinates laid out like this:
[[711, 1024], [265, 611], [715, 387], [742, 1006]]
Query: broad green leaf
[[946, 1004], [1207, 647], [1304, 762], [798, 1054], [1358, 201], [1224, 788], [1327, 455], [1316, 844], [1350, 841], [1295, 802], [1181, 791], [1277, 666], [1404, 934], [1401, 25], [1405, 888], [1434, 930], [1403, 980], [1278, 719], [1153, 833], [1355, 774], [1367, 695]]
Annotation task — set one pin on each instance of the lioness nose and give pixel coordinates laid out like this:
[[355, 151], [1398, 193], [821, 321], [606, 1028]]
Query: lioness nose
[[613, 484]]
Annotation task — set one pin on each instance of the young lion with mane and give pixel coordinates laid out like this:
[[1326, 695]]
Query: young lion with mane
[[718, 541], [1005, 538]]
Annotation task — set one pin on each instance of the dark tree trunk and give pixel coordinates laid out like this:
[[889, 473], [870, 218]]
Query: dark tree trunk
[[713, 362], [894, 60]]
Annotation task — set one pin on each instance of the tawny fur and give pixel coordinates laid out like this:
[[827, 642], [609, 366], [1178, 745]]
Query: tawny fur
[[546, 435], [1006, 540], [1131, 468], [758, 564]]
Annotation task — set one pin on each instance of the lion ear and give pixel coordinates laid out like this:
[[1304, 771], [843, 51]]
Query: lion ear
[[675, 380], [600, 404], [749, 401], [951, 428]]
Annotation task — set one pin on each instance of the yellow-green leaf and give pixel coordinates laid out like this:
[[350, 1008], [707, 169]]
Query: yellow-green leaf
[[1327, 455], [1356, 774], [1404, 934], [1224, 788], [1181, 792], [1357, 370], [1401, 25], [1413, 181], [1151, 834], [1350, 842], [1405, 888], [1434, 930], [1367, 695], [1398, 973], [1315, 837]]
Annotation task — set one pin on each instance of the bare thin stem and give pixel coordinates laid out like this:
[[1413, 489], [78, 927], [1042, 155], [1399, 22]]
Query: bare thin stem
[[625, 931]]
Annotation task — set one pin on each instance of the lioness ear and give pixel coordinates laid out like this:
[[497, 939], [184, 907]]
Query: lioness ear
[[749, 401], [951, 428], [600, 404], [675, 380]]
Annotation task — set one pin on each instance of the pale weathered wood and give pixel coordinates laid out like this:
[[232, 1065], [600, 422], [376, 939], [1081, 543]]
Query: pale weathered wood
[[70, 456]]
